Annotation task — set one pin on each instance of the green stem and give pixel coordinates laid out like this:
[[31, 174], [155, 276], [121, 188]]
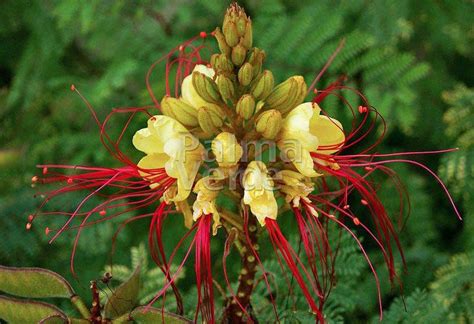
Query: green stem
[[81, 307]]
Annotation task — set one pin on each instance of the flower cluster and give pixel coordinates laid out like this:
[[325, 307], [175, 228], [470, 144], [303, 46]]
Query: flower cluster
[[228, 138]]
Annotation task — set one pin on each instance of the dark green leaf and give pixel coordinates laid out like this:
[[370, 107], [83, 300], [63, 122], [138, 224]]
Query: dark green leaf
[[146, 315], [33, 283], [125, 297], [25, 311]]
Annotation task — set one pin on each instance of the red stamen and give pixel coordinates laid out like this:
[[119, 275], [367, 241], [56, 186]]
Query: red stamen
[[203, 270], [362, 109], [203, 34], [279, 242]]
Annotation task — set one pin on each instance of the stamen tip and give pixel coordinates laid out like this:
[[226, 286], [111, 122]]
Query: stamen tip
[[28, 226], [203, 34], [103, 212], [45, 170], [30, 218], [34, 179], [346, 207], [73, 87], [356, 221], [46, 231], [362, 109], [364, 202], [69, 181]]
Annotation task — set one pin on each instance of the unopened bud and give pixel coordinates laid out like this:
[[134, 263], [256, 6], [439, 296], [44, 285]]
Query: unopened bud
[[268, 124], [236, 26], [221, 63], [238, 55], [206, 88], [223, 46], [256, 59], [246, 106], [247, 38], [262, 87], [287, 94], [245, 74], [210, 120], [226, 87], [241, 23], [259, 106], [179, 110], [230, 33]]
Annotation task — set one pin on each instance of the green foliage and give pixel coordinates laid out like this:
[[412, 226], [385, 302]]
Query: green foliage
[[19, 311], [417, 308], [454, 287], [124, 297], [33, 282], [151, 277]]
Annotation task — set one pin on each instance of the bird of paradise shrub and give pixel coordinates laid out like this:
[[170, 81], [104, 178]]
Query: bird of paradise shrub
[[223, 128]]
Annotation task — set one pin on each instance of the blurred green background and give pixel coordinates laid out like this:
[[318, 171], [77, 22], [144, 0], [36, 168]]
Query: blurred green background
[[412, 59]]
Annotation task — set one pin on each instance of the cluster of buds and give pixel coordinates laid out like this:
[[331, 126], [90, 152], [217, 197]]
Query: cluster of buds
[[207, 144]]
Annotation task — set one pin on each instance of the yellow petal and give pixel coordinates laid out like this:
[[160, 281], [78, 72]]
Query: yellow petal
[[296, 127], [226, 149], [152, 162], [299, 156], [183, 165], [329, 132], [259, 192], [147, 142], [188, 92], [165, 128]]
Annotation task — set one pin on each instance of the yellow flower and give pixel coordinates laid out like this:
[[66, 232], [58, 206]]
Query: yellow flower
[[258, 194], [328, 131], [294, 185], [207, 190], [296, 141], [227, 150], [305, 130], [169, 145]]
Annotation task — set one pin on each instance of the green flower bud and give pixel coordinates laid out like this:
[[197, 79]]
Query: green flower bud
[[245, 74], [269, 123], [230, 33], [238, 55], [246, 106], [236, 25], [210, 120], [206, 88], [259, 106], [287, 94], [226, 87], [247, 38], [241, 23], [263, 85], [256, 58], [221, 63], [179, 110], [223, 46]]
